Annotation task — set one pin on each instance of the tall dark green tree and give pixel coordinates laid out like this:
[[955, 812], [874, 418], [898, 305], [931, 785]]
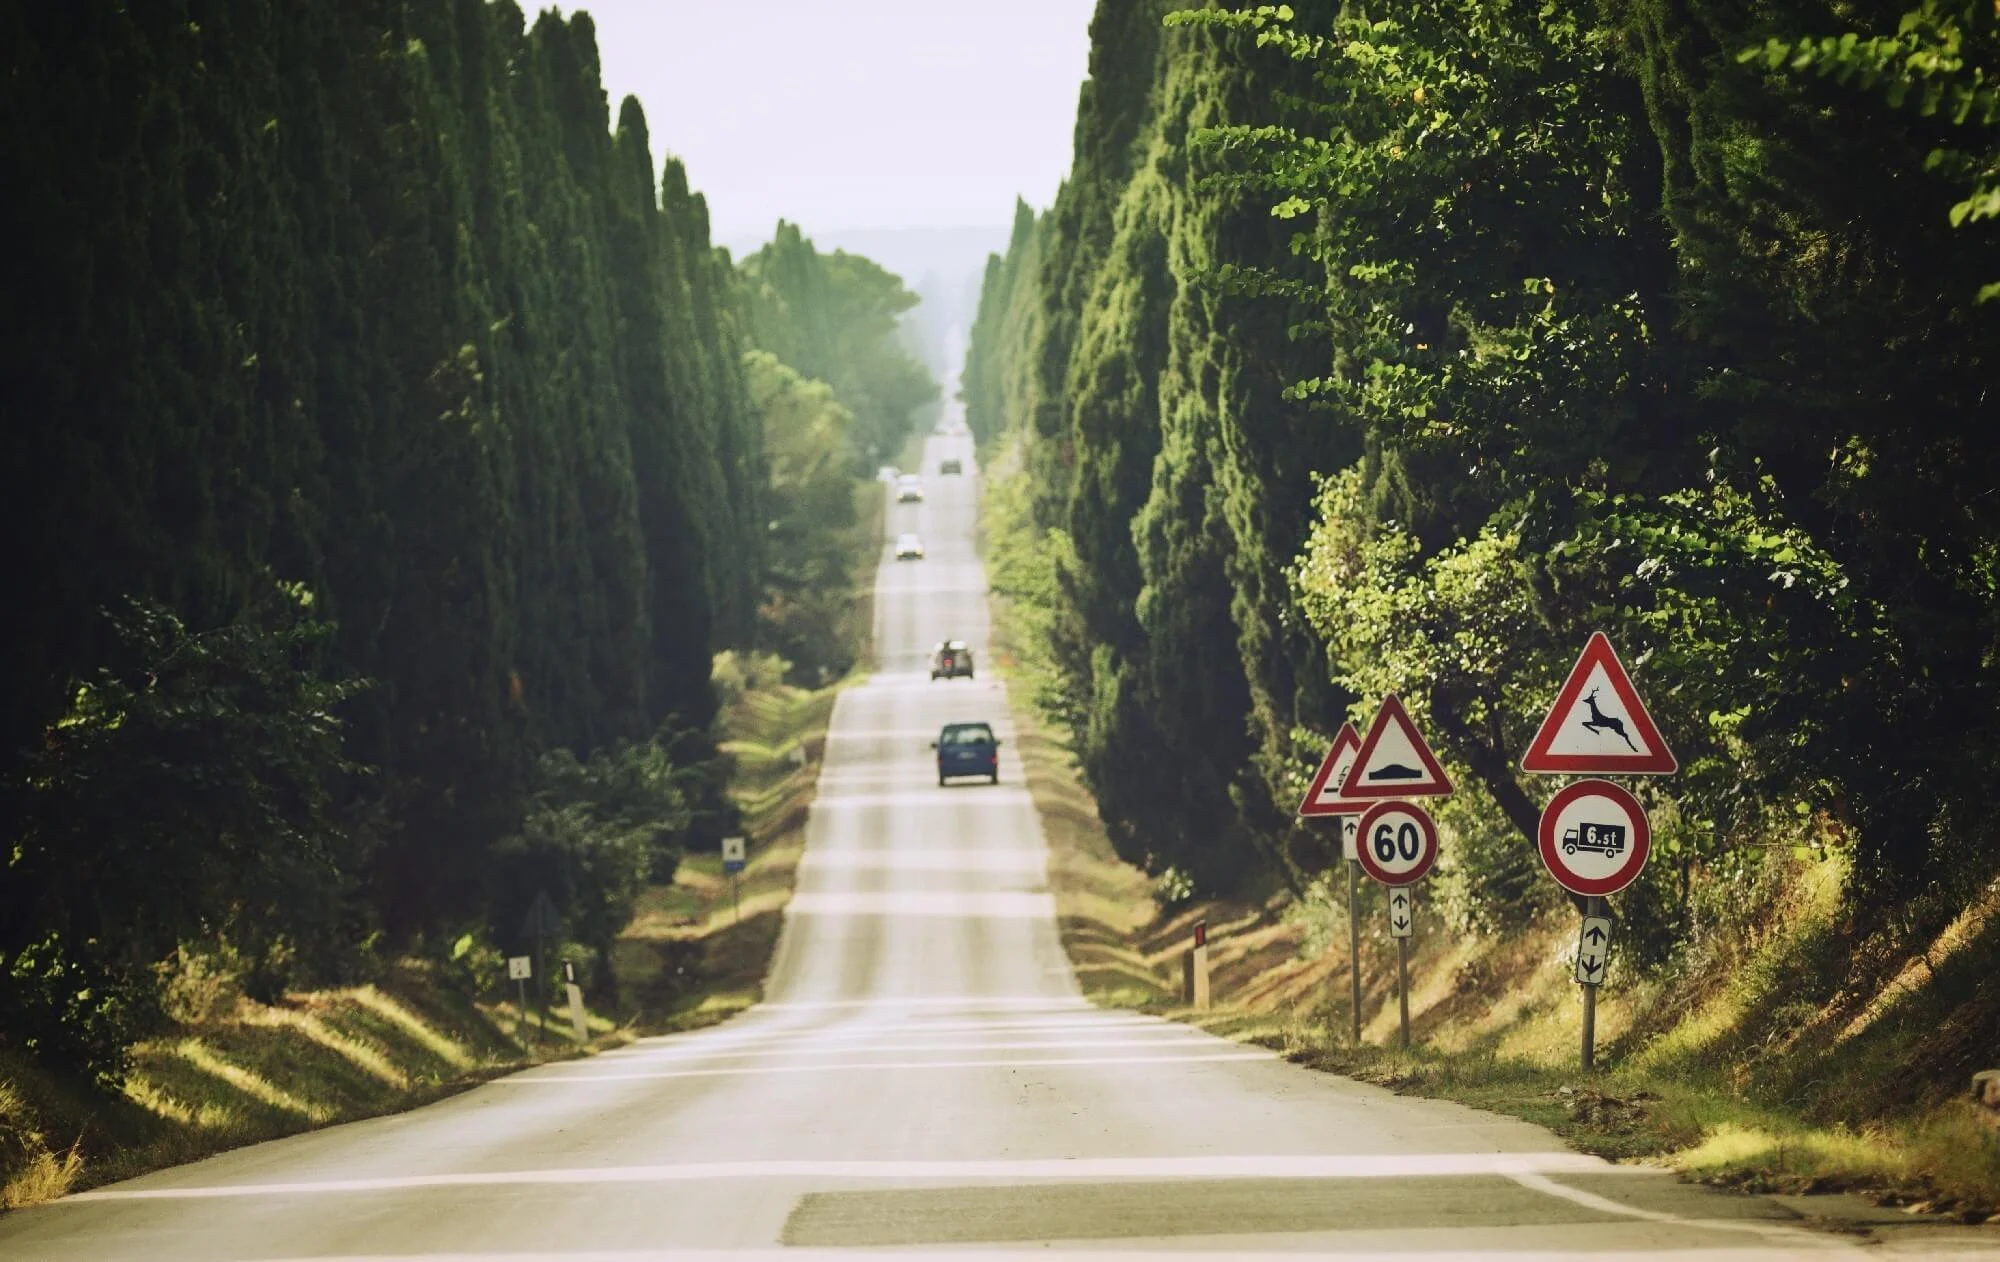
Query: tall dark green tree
[[365, 308]]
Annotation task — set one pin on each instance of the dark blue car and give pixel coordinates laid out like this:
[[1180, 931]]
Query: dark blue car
[[968, 749]]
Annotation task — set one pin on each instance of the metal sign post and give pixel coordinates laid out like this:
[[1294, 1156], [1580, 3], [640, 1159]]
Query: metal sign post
[[735, 855], [1397, 842], [1354, 945], [1593, 946], [1323, 799], [545, 924], [518, 969], [1402, 921]]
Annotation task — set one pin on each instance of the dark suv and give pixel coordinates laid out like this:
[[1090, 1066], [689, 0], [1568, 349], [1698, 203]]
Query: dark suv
[[951, 466], [968, 749], [950, 659]]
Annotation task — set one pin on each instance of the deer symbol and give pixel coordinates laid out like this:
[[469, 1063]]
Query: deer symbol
[[1599, 721]]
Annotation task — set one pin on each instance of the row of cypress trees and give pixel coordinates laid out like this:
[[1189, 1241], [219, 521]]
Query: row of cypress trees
[[1400, 349], [377, 432]]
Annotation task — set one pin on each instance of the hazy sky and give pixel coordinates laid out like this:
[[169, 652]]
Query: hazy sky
[[857, 113]]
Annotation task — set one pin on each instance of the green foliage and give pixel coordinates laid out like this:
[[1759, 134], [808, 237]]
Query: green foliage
[[1400, 349], [810, 583], [1943, 62], [367, 300], [593, 834], [189, 792], [834, 318]]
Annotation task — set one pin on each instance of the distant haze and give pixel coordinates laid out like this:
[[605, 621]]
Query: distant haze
[[870, 115]]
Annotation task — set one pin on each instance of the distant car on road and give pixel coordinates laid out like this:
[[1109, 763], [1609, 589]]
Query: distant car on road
[[909, 489], [951, 466], [909, 548], [967, 749], [950, 659]]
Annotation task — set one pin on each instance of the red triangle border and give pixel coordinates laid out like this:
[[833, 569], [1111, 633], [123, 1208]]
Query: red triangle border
[[1310, 806], [1541, 760], [1437, 783]]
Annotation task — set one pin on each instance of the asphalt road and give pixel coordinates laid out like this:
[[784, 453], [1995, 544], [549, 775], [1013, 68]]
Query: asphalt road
[[924, 1077]]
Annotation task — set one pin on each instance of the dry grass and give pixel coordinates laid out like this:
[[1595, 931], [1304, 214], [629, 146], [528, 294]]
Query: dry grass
[[698, 949], [254, 1072], [1718, 1073]]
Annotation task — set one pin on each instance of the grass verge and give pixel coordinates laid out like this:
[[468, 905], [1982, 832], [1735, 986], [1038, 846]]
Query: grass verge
[[1495, 1022], [1716, 1071], [245, 1072], [698, 949]]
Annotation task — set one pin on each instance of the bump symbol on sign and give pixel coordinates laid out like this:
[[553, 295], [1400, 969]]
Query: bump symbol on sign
[[1394, 761], [1402, 912], [1593, 950]]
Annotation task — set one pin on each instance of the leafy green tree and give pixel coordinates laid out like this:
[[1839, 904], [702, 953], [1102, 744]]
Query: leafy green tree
[[834, 318], [189, 792]]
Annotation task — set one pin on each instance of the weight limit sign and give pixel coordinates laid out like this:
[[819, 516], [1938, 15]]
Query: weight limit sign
[[1594, 838]]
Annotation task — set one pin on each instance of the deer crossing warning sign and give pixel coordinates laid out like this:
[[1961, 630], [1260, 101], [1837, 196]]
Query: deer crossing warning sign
[[1598, 725]]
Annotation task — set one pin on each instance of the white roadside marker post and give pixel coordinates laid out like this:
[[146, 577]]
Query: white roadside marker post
[[575, 993], [1194, 970]]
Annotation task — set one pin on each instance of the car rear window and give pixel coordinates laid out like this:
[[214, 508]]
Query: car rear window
[[969, 734]]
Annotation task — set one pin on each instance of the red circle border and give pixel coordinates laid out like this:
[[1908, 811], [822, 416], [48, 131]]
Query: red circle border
[[1428, 827], [1546, 841]]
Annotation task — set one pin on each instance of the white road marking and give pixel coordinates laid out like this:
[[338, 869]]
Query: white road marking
[[972, 1003], [1013, 859], [1538, 1182], [948, 904], [984, 1253], [543, 1079], [1017, 1170], [806, 1048]]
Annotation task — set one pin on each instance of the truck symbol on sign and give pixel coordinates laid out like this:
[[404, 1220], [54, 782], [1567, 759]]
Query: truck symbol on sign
[[1596, 838]]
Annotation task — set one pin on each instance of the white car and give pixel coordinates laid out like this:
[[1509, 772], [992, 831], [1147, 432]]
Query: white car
[[909, 490], [909, 548]]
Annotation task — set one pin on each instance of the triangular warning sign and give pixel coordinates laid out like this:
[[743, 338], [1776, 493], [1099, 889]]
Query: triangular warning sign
[[1394, 761], [1598, 725], [1323, 795]]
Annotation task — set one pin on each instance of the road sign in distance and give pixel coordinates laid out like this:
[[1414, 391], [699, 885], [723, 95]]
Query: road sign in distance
[[542, 920], [1594, 838], [1593, 950], [520, 968], [1323, 794], [735, 854], [1397, 843], [1394, 761], [1402, 911], [1598, 725]]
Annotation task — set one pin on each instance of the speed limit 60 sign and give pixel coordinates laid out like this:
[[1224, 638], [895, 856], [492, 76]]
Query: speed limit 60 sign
[[1397, 843]]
